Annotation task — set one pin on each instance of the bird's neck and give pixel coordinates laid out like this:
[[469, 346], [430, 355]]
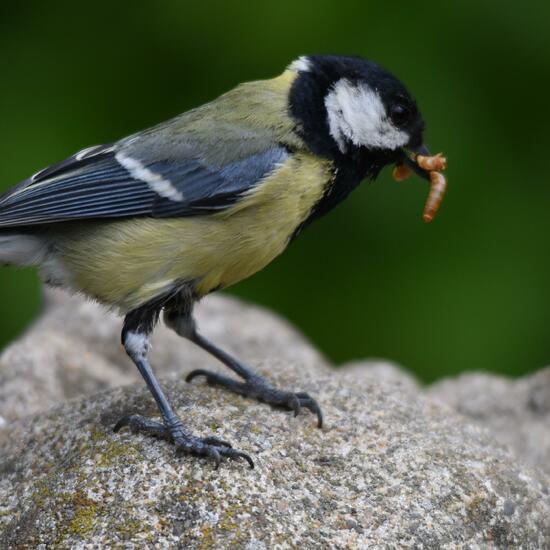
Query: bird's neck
[[350, 170]]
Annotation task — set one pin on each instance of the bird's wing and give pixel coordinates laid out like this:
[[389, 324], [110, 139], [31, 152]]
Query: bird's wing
[[117, 181]]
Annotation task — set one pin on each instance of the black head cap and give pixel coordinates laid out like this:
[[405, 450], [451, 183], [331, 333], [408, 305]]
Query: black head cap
[[347, 105]]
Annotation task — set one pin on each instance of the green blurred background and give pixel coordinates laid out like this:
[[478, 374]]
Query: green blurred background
[[469, 291]]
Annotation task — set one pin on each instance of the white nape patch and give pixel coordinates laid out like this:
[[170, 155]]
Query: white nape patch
[[156, 182], [356, 113], [302, 64], [136, 344]]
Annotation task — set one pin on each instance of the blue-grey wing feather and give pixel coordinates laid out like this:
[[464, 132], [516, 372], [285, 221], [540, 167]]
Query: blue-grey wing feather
[[99, 183]]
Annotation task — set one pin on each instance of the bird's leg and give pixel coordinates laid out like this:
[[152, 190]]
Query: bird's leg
[[254, 385], [135, 338]]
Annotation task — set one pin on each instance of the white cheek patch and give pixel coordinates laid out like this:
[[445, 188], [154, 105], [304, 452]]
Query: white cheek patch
[[156, 182], [357, 114]]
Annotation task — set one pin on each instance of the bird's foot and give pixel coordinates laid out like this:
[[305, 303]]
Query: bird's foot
[[258, 388], [174, 431]]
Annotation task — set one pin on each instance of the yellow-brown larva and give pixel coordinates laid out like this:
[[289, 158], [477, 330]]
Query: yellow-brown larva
[[436, 162], [401, 172], [435, 197]]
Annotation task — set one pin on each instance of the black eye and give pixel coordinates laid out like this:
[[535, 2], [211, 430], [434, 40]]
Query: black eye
[[400, 114]]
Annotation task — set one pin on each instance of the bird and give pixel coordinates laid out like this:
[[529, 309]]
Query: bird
[[150, 224]]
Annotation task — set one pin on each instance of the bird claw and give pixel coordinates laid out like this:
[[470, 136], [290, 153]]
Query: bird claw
[[307, 402], [139, 423], [216, 442], [211, 447], [257, 388]]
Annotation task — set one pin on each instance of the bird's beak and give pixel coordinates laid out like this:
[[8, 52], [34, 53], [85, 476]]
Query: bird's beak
[[421, 162]]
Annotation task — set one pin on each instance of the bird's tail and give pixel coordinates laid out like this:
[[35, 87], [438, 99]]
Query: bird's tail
[[20, 249]]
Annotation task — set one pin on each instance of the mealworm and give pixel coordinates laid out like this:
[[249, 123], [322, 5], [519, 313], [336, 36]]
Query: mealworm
[[437, 162], [401, 172], [435, 196]]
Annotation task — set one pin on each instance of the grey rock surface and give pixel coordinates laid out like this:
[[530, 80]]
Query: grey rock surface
[[380, 370], [393, 468], [74, 349], [516, 412]]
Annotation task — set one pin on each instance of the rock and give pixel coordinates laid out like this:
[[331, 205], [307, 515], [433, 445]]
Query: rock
[[74, 349], [517, 412], [45, 367], [379, 370], [391, 469]]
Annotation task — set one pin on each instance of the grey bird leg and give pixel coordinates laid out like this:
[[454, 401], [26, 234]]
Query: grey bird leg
[[135, 338], [254, 385]]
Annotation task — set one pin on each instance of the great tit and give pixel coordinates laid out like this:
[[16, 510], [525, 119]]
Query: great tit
[[155, 221]]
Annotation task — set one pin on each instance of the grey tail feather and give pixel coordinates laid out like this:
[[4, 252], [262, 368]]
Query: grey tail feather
[[22, 250]]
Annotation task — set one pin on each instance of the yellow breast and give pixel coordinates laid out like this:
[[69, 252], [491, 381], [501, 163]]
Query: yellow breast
[[128, 262]]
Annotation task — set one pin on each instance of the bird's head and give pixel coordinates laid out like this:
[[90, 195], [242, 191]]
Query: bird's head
[[354, 112]]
